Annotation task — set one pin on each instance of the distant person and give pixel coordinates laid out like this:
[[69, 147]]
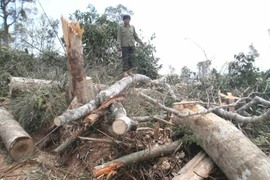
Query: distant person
[[126, 43]]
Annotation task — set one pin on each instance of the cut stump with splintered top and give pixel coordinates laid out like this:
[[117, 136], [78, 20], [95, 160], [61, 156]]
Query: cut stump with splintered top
[[18, 142], [75, 62]]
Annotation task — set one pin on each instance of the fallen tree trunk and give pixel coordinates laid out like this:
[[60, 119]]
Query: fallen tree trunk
[[18, 84], [143, 155], [122, 123], [102, 96], [18, 143], [197, 168], [89, 121], [74, 114], [228, 147]]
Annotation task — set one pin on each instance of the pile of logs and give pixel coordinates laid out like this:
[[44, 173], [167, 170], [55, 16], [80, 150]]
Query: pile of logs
[[224, 145]]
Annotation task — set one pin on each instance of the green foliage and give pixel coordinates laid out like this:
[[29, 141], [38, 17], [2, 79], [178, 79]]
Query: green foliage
[[147, 63], [35, 109], [261, 140], [242, 72], [16, 63], [204, 69], [116, 13], [186, 74], [12, 11], [35, 34], [99, 39], [48, 65], [4, 82]]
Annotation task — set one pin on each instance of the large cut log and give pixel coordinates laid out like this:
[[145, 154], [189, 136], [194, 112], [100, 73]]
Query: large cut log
[[18, 84], [18, 143], [228, 147], [157, 151], [122, 123], [197, 168], [75, 62]]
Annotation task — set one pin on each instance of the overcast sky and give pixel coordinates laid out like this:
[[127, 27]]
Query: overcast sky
[[222, 28]]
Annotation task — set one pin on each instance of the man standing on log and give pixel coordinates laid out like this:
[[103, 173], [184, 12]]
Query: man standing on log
[[125, 40]]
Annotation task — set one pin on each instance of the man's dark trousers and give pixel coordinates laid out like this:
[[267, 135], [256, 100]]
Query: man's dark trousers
[[128, 58]]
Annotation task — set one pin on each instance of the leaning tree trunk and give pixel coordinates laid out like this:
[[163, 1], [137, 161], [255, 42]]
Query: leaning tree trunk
[[228, 147], [77, 78], [18, 143]]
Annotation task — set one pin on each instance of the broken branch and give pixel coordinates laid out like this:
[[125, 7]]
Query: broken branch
[[144, 155], [242, 119], [178, 113], [254, 101]]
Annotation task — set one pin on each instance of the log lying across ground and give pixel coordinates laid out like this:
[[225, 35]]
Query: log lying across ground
[[101, 97], [196, 169], [18, 143], [227, 146], [136, 157], [19, 83]]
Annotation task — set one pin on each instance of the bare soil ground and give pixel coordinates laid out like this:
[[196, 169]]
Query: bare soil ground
[[78, 160]]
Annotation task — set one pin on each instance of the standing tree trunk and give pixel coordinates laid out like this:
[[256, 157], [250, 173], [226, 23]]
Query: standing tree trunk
[[77, 78], [18, 143], [228, 147]]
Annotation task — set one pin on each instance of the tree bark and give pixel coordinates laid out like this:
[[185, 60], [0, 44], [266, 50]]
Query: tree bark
[[73, 114], [228, 147], [18, 84], [122, 123], [101, 97], [89, 121], [139, 156], [77, 78], [18, 143], [196, 169]]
